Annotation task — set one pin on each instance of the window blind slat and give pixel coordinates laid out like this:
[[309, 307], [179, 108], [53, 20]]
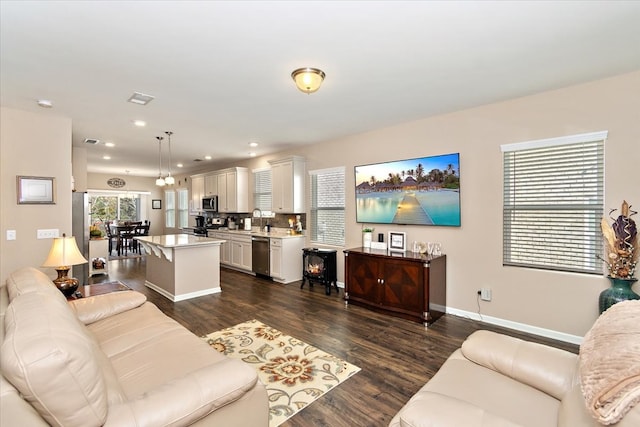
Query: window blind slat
[[552, 205]]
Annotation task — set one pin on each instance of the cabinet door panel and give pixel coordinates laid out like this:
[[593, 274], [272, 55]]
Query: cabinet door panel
[[403, 285], [363, 281]]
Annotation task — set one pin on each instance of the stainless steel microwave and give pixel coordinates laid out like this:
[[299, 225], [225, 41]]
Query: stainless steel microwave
[[210, 204]]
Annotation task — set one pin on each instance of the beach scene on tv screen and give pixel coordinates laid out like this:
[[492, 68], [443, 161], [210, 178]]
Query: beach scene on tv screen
[[421, 191]]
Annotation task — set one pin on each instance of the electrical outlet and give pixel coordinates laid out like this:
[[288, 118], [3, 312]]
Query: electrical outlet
[[485, 294], [48, 233]]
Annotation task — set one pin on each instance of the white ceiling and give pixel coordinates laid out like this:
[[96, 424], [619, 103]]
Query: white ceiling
[[220, 71]]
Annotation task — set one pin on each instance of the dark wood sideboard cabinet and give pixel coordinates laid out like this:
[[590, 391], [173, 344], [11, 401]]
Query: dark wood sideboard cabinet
[[403, 284]]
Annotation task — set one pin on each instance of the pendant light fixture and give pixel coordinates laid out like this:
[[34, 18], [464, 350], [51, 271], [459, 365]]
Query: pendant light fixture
[[160, 181], [169, 180], [307, 79]]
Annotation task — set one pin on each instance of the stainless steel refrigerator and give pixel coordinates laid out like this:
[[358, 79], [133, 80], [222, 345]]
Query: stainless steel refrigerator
[[80, 230]]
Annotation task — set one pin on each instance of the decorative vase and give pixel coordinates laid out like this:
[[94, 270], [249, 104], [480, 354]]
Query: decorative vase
[[366, 239], [620, 290]]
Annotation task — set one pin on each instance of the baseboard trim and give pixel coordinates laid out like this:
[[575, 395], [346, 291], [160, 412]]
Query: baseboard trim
[[523, 327], [176, 298]]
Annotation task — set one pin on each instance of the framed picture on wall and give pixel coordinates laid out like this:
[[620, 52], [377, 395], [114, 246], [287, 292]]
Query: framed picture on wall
[[397, 241], [36, 190], [156, 204]]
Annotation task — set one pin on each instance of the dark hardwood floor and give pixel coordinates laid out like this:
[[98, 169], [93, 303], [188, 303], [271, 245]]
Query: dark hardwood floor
[[396, 356]]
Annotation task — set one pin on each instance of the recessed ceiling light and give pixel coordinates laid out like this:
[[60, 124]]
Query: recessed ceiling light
[[253, 144], [179, 165], [106, 157], [140, 123], [207, 157], [252, 154], [109, 144], [45, 103], [140, 98]]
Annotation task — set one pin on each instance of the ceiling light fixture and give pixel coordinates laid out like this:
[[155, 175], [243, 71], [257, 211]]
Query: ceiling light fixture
[[179, 165], [140, 98], [139, 123], [253, 144], [252, 154], [207, 157], [160, 181], [106, 157], [45, 103], [169, 180], [109, 144], [308, 79]]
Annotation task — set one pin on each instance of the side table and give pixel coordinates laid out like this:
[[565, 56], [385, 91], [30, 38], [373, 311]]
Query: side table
[[99, 289]]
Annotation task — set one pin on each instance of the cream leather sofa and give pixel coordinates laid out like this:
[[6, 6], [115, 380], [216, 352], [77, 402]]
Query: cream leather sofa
[[495, 380], [113, 360]]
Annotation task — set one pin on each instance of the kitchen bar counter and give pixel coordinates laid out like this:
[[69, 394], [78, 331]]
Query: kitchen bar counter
[[182, 266], [274, 233]]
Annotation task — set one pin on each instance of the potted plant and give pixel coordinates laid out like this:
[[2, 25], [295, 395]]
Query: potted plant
[[621, 242], [367, 237]]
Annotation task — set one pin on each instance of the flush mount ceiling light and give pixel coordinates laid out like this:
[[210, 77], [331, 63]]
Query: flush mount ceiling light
[[45, 103], [253, 144], [139, 123], [140, 98], [308, 79]]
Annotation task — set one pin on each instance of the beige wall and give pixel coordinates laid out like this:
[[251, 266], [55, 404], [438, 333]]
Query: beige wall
[[34, 145], [553, 301]]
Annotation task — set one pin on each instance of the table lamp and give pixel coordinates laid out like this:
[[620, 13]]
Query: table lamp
[[63, 254]]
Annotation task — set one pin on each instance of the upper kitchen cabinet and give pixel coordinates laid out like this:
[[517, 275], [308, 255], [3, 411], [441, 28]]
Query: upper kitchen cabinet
[[197, 193], [287, 182], [210, 185], [233, 189]]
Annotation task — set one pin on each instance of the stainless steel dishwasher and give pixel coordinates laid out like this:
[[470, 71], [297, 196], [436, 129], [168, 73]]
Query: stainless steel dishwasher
[[260, 255]]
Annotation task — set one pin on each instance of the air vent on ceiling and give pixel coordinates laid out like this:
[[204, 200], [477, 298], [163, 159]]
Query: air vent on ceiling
[[140, 98], [91, 141], [197, 160]]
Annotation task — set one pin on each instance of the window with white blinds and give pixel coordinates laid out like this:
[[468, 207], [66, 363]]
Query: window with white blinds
[[327, 206], [553, 203], [170, 209], [183, 207], [262, 189]]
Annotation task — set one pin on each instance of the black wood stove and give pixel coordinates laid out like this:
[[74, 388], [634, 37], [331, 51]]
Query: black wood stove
[[319, 265]]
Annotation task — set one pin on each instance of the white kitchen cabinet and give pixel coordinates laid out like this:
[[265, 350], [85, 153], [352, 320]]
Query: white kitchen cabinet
[[241, 252], [285, 258], [233, 190], [98, 256], [287, 185], [197, 193], [225, 248], [210, 185]]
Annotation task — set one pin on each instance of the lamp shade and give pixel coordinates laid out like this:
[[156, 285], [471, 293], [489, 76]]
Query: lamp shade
[[308, 80], [64, 252]]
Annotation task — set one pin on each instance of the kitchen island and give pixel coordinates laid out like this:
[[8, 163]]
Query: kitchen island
[[182, 266]]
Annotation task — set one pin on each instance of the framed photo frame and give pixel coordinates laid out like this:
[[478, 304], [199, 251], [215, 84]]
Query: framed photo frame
[[397, 241], [36, 190], [156, 204]]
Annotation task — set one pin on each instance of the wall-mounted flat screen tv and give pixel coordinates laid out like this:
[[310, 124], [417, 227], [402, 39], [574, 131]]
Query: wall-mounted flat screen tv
[[421, 191]]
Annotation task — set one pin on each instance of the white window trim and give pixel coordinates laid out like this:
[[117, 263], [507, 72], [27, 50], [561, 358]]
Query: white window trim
[[553, 142]]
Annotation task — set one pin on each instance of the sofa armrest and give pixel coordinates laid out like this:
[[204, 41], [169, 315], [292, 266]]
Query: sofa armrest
[[428, 409], [550, 370], [99, 307], [186, 399]]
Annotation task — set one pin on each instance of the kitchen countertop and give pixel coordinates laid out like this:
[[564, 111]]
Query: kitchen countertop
[[179, 240], [277, 233]]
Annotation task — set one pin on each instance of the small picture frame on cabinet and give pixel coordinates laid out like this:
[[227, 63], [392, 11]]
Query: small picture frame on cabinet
[[397, 241]]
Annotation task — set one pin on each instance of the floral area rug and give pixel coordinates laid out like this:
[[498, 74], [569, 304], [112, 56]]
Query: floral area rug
[[294, 373]]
